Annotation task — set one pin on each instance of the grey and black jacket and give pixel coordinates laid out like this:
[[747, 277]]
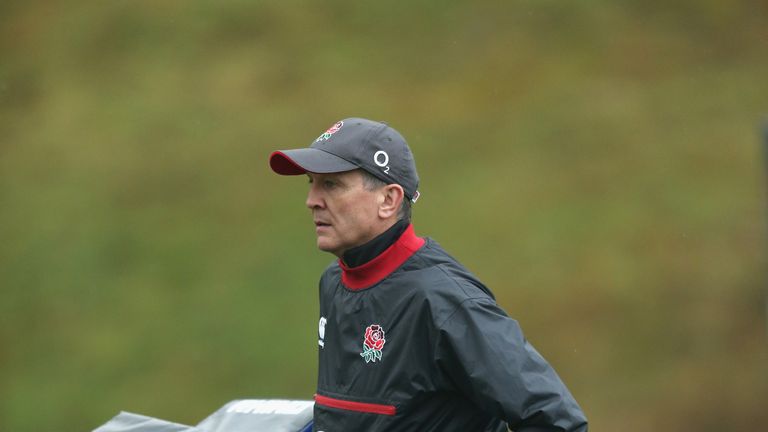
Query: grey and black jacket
[[412, 341]]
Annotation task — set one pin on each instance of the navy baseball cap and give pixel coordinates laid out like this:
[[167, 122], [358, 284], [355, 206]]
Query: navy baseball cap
[[351, 144]]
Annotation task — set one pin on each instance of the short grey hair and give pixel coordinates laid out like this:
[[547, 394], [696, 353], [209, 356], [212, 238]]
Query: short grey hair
[[372, 183]]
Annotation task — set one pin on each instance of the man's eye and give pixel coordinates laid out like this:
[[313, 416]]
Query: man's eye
[[329, 184]]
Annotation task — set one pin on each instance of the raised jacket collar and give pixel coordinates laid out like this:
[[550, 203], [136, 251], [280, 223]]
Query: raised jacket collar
[[375, 270]]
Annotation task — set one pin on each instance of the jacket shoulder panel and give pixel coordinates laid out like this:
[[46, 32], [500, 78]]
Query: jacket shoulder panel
[[441, 282]]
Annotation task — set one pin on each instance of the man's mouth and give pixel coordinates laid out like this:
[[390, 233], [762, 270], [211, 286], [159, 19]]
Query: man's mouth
[[321, 224]]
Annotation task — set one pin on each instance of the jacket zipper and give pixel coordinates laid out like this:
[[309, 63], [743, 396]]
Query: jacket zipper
[[370, 408]]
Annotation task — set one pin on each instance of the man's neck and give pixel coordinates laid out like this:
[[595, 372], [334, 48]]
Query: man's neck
[[360, 255]]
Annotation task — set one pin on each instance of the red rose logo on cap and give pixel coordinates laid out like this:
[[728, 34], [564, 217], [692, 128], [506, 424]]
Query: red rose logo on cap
[[373, 343], [331, 130]]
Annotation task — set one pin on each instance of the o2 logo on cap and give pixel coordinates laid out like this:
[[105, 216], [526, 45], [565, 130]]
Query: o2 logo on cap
[[381, 158], [331, 130]]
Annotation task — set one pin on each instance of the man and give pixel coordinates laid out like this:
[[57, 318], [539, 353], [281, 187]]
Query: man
[[409, 340]]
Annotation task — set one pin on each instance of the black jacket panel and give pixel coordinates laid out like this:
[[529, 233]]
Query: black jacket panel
[[450, 360]]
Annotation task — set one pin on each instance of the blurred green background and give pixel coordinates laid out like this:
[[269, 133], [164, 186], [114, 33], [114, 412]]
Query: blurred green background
[[597, 163]]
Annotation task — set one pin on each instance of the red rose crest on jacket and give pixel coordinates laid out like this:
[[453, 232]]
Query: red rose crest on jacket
[[373, 343]]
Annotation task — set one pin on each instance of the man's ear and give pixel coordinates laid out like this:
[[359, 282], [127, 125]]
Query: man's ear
[[392, 198]]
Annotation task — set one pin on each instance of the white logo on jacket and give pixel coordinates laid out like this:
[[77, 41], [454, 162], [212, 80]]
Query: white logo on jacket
[[321, 332]]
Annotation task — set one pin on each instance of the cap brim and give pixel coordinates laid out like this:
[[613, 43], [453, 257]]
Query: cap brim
[[299, 161]]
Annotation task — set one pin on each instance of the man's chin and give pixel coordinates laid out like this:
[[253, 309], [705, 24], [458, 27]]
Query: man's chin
[[326, 246]]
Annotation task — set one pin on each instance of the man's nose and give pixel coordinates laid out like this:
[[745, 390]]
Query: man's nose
[[314, 200]]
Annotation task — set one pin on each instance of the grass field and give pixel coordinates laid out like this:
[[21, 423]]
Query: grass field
[[598, 164]]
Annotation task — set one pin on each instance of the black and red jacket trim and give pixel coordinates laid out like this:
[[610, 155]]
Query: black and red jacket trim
[[377, 269], [363, 407]]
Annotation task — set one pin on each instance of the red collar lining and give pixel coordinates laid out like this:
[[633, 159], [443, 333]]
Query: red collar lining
[[375, 270]]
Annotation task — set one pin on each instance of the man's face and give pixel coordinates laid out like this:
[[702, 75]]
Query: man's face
[[345, 213]]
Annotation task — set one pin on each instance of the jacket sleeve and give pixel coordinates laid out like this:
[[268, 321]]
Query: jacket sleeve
[[482, 352]]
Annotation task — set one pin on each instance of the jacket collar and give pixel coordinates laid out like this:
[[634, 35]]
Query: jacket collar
[[375, 270], [360, 255]]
